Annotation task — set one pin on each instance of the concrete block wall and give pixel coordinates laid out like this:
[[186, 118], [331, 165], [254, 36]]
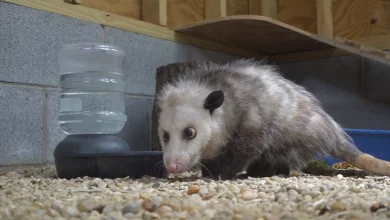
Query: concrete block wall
[[353, 90], [29, 44]]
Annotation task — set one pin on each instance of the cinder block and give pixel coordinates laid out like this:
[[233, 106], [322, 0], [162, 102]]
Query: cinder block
[[21, 116], [360, 114], [138, 127], [54, 133], [145, 54], [330, 80], [31, 40], [377, 80], [199, 54]]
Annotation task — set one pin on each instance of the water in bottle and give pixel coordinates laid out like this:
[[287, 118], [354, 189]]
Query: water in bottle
[[92, 89]]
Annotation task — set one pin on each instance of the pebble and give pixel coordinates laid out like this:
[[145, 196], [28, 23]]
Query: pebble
[[38, 194], [164, 210], [70, 211], [148, 205], [249, 195], [131, 207], [87, 205], [193, 189], [262, 195]]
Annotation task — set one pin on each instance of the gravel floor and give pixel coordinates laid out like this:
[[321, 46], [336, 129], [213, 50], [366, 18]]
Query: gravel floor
[[36, 193]]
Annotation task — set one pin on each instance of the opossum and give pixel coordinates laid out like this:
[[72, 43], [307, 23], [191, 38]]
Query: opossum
[[245, 116]]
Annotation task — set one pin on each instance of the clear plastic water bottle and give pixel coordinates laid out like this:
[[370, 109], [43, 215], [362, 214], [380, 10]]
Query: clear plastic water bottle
[[92, 88]]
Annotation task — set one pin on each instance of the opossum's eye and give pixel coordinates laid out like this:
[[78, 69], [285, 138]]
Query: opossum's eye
[[190, 133], [166, 137]]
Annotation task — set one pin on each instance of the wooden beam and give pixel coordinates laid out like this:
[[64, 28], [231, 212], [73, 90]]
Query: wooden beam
[[127, 8], [155, 11], [269, 8], [255, 7], [237, 7], [324, 18], [181, 12], [298, 13], [129, 24], [215, 8]]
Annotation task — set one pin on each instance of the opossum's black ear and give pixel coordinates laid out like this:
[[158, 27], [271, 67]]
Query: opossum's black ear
[[214, 100]]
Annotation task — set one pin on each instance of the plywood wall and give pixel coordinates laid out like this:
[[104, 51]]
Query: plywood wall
[[356, 19], [182, 12], [128, 8], [352, 19], [298, 13]]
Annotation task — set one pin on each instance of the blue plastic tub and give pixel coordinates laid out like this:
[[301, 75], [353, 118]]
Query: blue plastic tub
[[374, 142]]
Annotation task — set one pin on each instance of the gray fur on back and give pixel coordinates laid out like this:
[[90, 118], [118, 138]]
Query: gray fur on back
[[264, 113]]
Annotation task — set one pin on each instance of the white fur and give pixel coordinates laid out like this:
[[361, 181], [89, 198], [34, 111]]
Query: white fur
[[182, 106]]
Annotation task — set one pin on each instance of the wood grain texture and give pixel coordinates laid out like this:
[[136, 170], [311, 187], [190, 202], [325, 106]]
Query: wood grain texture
[[269, 8], [255, 7], [181, 12], [362, 50], [381, 42], [324, 18], [215, 8], [237, 7], [127, 8], [354, 19], [257, 33], [298, 13], [155, 11]]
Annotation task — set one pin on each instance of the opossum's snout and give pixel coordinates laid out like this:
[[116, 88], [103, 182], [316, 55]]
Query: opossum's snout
[[178, 163], [174, 165]]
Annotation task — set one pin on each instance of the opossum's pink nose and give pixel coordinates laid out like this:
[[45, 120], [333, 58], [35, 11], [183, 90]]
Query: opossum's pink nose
[[173, 167]]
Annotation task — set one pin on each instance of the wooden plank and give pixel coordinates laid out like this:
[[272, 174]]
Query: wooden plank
[[155, 11], [355, 19], [237, 7], [129, 24], [127, 8], [269, 8], [362, 50], [215, 8], [261, 34], [324, 18], [298, 13], [181, 12], [255, 7], [381, 42]]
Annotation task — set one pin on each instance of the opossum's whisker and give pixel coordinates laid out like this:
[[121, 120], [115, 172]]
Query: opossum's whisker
[[158, 165], [205, 168]]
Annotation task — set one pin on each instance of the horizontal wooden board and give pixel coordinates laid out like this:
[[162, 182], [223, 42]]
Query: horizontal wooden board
[[355, 19], [127, 8], [256, 33]]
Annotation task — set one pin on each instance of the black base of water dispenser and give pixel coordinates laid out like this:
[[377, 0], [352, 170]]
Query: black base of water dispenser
[[104, 156]]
